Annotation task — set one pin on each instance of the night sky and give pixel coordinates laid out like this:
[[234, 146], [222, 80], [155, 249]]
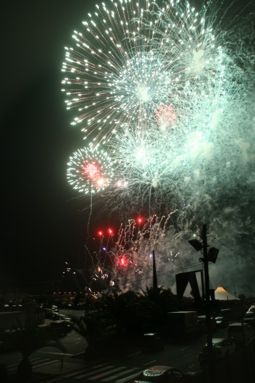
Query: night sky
[[42, 220], [42, 224]]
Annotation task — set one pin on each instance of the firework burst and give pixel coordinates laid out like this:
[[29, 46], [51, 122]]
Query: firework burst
[[108, 70], [89, 170], [145, 167]]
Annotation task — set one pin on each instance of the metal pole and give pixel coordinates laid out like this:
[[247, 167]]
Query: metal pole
[[207, 288], [155, 280], [202, 284]]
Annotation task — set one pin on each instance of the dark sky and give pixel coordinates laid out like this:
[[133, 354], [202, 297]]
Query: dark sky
[[42, 222]]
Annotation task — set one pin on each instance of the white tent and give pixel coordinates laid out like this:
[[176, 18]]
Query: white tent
[[222, 294]]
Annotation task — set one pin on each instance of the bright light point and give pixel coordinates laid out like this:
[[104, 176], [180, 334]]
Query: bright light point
[[198, 62], [101, 182], [139, 220], [100, 233], [141, 156], [143, 93], [122, 184], [122, 261], [110, 231], [90, 170], [155, 182]]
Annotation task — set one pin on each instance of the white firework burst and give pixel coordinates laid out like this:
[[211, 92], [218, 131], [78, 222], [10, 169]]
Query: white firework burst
[[141, 86], [106, 77]]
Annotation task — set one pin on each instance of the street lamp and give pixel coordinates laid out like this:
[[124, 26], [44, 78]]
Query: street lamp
[[154, 270], [208, 256], [196, 244]]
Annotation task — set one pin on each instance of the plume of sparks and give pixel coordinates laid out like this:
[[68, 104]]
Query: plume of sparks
[[128, 263], [132, 252]]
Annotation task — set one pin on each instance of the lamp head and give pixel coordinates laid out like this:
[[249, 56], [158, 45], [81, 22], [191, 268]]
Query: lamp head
[[196, 244], [212, 254]]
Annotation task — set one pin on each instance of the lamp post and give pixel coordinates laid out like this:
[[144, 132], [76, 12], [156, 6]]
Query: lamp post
[[155, 279], [208, 256], [207, 287]]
